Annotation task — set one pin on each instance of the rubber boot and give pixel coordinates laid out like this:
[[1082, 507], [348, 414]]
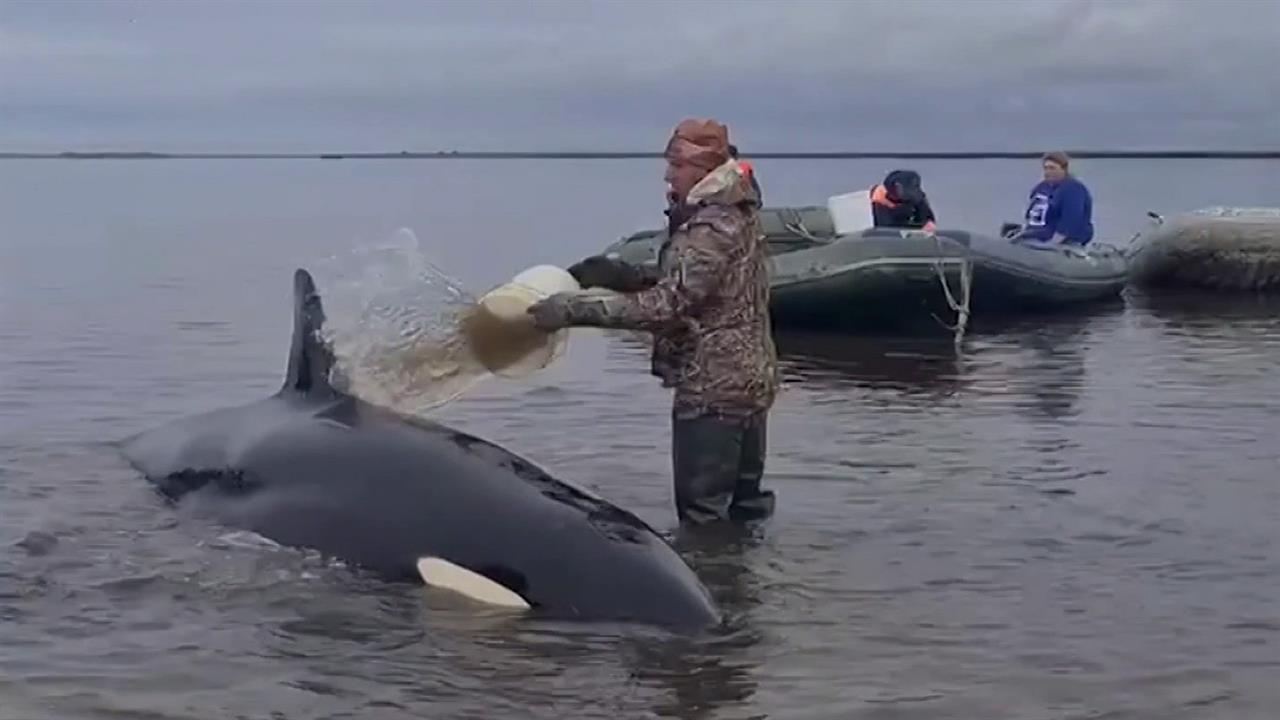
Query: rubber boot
[[706, 453], [749, 501]]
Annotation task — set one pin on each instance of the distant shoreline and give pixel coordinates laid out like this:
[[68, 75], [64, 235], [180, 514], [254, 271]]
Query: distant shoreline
[[569, 155]]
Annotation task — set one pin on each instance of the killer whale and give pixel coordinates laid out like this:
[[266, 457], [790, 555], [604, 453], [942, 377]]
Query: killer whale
[[312, 466]]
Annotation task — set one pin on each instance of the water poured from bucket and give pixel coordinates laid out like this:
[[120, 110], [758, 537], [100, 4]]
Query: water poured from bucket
[[501, 333], [407, 335]]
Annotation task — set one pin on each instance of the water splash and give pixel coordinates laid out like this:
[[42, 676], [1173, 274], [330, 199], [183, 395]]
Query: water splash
[[394, 321]]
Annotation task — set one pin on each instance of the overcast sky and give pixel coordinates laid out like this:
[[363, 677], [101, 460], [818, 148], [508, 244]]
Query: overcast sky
[[307, 75]]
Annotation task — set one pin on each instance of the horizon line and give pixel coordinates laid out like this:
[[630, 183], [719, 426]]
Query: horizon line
[[630, 155]]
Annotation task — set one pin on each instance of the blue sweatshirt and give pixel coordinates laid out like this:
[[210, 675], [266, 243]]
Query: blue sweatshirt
[[1065, 207]]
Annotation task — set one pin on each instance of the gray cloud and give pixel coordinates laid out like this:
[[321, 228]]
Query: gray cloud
[[795, 75]]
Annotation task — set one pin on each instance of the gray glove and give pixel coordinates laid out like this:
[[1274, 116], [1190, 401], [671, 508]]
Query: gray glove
[[552, 313], [612, 274], [573, 309]]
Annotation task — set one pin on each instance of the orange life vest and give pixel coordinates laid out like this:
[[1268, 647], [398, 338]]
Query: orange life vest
[[880, 196]]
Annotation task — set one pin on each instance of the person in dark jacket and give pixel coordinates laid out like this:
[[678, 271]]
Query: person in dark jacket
[[1060, 209], [707, 307], [900, 202]]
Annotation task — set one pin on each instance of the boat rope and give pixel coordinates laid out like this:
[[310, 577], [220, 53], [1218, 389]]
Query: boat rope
[[791, 220], [804, 232], [959, 307]]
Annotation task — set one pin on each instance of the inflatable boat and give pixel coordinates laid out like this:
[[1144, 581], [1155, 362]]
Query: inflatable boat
[[820, 278], [1218, 248], [1011, 277], [825, 276]]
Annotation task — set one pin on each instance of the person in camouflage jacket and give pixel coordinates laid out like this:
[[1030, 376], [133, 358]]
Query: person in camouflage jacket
[[707, 306]]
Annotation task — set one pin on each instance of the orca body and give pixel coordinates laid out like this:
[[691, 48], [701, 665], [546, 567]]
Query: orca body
[[314, 467]]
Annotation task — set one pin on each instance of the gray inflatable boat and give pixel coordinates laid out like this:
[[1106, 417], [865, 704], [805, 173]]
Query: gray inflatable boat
[[1015, 277], [890, 278], [1219, 248]]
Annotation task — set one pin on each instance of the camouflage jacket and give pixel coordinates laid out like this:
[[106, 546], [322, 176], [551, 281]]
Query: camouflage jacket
[[708, 310]]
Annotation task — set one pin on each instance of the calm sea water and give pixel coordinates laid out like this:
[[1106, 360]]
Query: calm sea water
[[1077, 518]]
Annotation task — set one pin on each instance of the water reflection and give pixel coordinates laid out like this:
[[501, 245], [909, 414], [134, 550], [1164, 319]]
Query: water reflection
[[822, 359], [1221, 346], [709, 674], [1054, 375], [934, 365], [1181, 309], [493, 663]]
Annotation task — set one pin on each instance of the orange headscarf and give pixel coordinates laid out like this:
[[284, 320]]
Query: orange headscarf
[[702, 143]]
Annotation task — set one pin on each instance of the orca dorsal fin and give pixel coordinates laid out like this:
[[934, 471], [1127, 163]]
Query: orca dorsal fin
[[310, 358]]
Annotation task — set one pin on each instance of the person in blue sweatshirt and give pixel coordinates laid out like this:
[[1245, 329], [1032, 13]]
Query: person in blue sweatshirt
[[1061, 208]]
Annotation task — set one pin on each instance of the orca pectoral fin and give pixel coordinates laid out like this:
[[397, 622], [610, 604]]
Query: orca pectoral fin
[[438, 572]]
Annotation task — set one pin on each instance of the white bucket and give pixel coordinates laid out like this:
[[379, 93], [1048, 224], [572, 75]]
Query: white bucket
[[851, 212], [500, 331]]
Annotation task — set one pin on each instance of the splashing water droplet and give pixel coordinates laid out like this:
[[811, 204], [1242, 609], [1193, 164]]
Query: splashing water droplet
[[393, 320]]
